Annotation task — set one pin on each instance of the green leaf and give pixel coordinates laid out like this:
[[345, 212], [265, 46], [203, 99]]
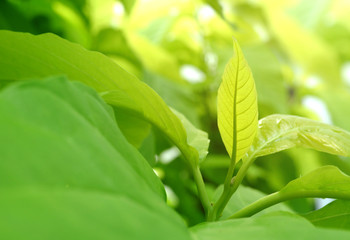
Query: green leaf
[[237, 106], [268, 78], [243, 197], [334, 215], [128, 5], [134, 128], [153, 57], [291, 36], [68, 172], [196, 138], [279, 132], [50, 55], [270, 226], [324, 182]]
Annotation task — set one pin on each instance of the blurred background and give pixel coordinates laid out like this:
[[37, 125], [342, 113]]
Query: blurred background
[[298, 50]]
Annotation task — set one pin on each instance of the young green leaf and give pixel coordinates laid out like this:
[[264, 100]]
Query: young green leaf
[[324, 182], [237, 106], [279, 225], [50, 55], [334, 215], [279, 132], [196, 138], [67, 171]]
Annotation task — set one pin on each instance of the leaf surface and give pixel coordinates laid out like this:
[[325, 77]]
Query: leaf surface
[[279, 225], [69, 173], [196, 138], [24, 56], [334, 215], [237, 106], [279, 132], [324, 182]]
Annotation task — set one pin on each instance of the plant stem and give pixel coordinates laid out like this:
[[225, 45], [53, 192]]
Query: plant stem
[[278, 197], [229, 190], [202, 192]]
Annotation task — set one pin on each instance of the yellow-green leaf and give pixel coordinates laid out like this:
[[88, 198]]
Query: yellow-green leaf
[[237, 106]]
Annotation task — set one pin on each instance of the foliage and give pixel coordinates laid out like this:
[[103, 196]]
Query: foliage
[[108, 108]]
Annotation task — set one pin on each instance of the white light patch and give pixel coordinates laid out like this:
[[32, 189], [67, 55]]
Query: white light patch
[[192, 74], [261, 31], [174, 11], [172, 199], [345, 73], [313, 81], [321, 202], [212, 60], [118, 9], [318, 106], [169, 155], [205, 13]]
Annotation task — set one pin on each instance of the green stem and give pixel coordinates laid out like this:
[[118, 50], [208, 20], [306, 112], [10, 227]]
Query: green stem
[[278, 197], [229, 190], [202, 192]]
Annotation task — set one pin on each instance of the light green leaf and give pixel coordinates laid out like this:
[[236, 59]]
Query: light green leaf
[[24, 56], [324, 182], [279, 132], [237, 106], [67, 172], [270, 226], [196, 138], [334, 215]]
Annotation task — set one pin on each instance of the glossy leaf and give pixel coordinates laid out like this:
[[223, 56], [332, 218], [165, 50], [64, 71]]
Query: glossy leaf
[[237, 106], [196, 138], [68, 172], [279, 132], [334, 215], [270, 226], [24, 56]]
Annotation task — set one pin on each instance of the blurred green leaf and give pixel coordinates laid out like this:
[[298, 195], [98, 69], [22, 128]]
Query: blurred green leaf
[[74, 171], [62, 17], [268, 78], [319, 60], [128, 5], [334, 215], [196, 138], [336, 100], [269, 226], [49, 55], [279, 132], [154, 57], [134, 128], [148, 149]]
